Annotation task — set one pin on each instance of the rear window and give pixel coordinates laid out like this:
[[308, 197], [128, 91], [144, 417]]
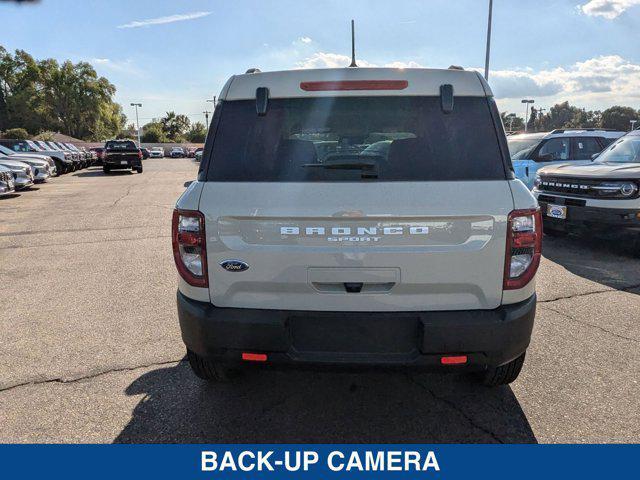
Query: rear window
[[123, 145], [354, 139]]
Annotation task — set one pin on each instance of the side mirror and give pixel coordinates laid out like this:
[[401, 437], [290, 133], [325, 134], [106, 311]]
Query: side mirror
[[262, 101], [186, 184], [545, 157]]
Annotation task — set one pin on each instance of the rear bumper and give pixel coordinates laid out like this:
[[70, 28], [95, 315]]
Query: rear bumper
[[605, 220], [488, 337], [118, 164]]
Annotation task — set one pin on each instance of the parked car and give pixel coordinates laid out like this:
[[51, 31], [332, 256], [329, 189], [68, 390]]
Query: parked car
[[51, 146], [530, 152], [156, 152], [22, 172], [40, 168], [190, 152], [177, 152], [64, 163], [599, 199], [99, 151], [86, 156], [53, 169], [145, 153], [425, 255], [198, 154], [7, 186], [92, 155], [77, 153], [120, 155]]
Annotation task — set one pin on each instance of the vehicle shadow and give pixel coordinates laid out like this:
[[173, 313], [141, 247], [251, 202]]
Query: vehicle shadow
[[274, 406], [100, 173], [610, 262], [9, 195]]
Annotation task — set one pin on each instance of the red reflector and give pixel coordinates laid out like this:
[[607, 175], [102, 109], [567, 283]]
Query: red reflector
[[254, 357], [354, 85], [454, 360], [189, 239]]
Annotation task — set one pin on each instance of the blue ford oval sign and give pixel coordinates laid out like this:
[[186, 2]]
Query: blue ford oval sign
[[234, 265]]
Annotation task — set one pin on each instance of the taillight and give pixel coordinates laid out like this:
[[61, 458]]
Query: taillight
[[524, 246], [189, 247]]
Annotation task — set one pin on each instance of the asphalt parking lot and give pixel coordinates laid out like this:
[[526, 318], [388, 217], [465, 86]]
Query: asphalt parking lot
[[90, 349]]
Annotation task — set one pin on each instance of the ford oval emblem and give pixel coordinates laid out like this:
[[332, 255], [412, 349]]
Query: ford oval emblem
[[234, 265]]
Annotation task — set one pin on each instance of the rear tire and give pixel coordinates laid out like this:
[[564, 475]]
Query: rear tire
[[206, 369], [138, 169], [504, 374]]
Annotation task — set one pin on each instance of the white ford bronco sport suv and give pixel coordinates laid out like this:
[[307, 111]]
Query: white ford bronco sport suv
[[359, 216]]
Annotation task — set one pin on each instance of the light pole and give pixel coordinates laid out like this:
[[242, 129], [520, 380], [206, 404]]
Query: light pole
[[206, 117], [511, 117], [633, 123], [136, 105], [526, 114], [486, 60]]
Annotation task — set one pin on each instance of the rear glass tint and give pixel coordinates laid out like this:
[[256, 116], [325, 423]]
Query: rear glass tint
[[356, 138], [126, 145]]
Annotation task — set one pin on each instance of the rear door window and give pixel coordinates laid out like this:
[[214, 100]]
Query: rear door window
[[354, 139], [585, 147]]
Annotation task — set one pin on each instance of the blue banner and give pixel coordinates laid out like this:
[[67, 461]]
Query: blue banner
[[512, 462]]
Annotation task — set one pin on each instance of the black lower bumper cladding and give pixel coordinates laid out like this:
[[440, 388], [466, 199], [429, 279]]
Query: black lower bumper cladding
[[486, 337], [610, 220]]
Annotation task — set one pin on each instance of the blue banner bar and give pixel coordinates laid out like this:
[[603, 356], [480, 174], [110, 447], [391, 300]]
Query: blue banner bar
[[512, 462]]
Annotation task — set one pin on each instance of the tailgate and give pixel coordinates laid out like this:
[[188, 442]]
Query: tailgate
[[387, 246]]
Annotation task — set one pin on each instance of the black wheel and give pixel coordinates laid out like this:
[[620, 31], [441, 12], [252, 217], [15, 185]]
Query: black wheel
[[206, 369], [138, 169], [552, 232], [106, 169], [504, 374]]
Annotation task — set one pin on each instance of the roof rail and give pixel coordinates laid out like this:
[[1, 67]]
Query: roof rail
[[562, 130], [253, 70]]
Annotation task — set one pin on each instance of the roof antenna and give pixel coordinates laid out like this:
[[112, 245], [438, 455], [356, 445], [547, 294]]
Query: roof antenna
[[353, 45]]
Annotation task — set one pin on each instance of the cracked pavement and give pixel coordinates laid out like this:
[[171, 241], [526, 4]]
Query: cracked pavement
[[90, 348]]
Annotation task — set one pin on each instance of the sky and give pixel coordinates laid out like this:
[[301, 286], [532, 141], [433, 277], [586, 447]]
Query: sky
[[174, 55]]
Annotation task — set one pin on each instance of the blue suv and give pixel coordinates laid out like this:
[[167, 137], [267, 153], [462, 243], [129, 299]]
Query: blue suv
[[532, 151]]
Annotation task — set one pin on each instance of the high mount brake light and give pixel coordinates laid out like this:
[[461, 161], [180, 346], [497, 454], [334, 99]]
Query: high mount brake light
[[354, 85], [190, 246], [524, 247]]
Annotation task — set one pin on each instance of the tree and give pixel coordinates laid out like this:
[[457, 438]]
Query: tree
[[45, 136], [175, 126], [16, 133], [533, 116], [153, 133], [618, 117], [197, 133], [44, 95], [511, 122]]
